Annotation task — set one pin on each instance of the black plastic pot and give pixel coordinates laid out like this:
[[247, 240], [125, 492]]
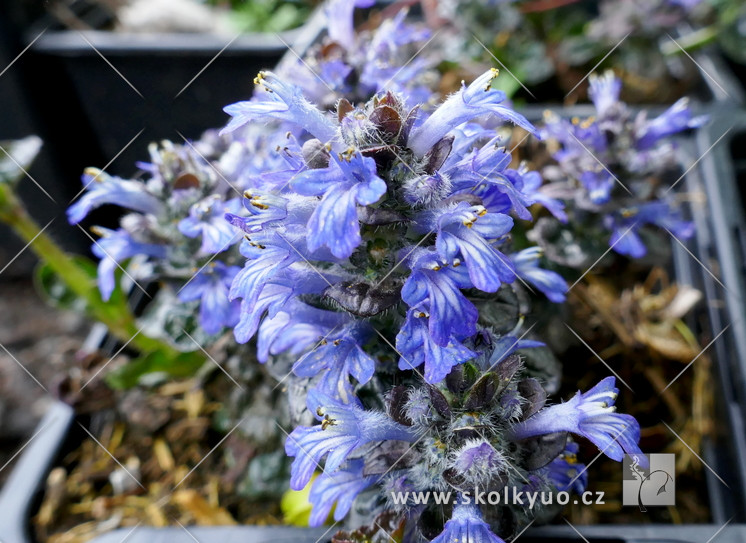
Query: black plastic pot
[[19, 119], [735, 141], [112, 93]]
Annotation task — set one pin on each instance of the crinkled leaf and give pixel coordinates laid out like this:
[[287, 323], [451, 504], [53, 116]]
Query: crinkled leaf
[[266, 477], [541, 450], [481, 394], [540, 362], [439, 402], [534, 394], [387, 454], [388, 527], [387, 120], [362, 299], [397, 399], [501, 312], [169, 318], [436, 156], [379, 216]]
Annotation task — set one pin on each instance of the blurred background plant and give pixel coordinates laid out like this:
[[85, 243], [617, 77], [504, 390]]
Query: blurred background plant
[[217, 16], [550, 45]]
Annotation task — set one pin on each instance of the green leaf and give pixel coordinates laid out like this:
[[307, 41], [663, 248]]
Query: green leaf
[[55, 292], [153, 366], [267, 476]]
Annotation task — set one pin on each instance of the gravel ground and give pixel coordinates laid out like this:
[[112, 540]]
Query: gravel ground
[[38, 346]]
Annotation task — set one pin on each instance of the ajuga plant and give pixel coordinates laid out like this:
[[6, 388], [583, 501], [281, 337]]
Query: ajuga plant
[[616, 171], [369, 254]]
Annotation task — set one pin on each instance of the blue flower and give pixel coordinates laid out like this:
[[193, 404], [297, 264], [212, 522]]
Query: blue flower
[[294, 328], [270, 300], [336, 73], [486, 168], [339, 14], [282, 101], [625, 224], [259, 269], [565, 473], [532, 187], [624, 239], [102, 188], [466, 525], [550, 283], [598, 183], [416, 346], [388, 64], [591, 415], [274, 294], [340, 487], [468, 232], [437, 285], [348, 181], [268, 212], [207, 218], [211, 286], [114, 247], [604, 91], [343, 429], [675, 119], [470, 102], [338, 356]]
